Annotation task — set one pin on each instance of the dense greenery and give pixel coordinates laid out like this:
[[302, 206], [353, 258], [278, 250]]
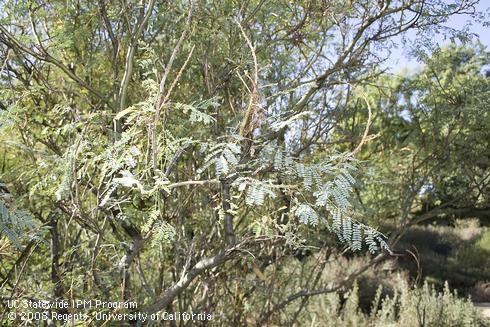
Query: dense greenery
[[213, 157], [433, 144], [406, 307]]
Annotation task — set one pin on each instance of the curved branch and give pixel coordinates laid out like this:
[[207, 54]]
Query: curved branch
[[307, 293], [12, 42], [173, 291]]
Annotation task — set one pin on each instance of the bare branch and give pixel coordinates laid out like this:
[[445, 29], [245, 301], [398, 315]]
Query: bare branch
[[307, 293], [172, 292], [12, 42], [128, 70], [253, 108]]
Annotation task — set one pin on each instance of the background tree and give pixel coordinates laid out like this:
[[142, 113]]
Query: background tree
[[430, 157]]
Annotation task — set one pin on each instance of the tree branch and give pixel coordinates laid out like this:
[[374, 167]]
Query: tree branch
[[226, 207], [12, 42], [306, 293], [128, 69], [173, 291]]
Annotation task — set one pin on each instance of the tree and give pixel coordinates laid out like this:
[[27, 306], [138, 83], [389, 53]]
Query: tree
[[178, 148], [430, 159]]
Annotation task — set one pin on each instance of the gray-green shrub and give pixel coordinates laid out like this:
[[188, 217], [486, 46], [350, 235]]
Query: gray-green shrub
[[408, 307]]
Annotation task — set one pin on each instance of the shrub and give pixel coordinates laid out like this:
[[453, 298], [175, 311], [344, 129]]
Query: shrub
[[407, 307], [481, 292]]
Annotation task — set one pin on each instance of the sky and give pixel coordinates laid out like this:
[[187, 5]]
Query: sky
[[401, 59]]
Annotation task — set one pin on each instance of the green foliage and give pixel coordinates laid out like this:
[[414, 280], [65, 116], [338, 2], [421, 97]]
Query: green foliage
[[188, 140], [407, 307], [306, 214], [224, 156], [483, 242], [162, 233], [256, 191], [18, 226], [432, 147], [195, 111], [326, 189]]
